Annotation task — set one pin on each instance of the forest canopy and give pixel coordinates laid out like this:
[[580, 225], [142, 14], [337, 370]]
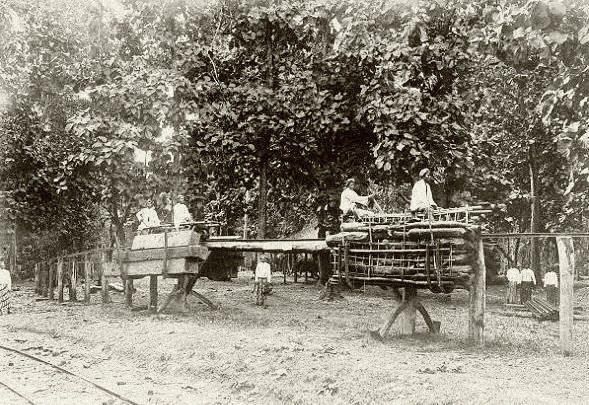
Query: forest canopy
[[266, 107]]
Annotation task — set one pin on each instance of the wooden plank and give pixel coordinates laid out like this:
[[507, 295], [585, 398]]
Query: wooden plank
[[195, 251], [158, 240], [270, 246], [566, 259], [477, 298]]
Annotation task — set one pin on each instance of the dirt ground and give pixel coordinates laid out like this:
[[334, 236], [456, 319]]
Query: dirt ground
[[296, 350]]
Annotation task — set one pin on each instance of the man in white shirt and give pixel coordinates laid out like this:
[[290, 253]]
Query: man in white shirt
[[349, 200], [263, 270], [551, 286], [147, 217], [180, 212], [528, 281], [514, 279], [421, 195]]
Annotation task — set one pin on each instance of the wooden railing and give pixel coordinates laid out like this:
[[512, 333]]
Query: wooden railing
[[71, 269]]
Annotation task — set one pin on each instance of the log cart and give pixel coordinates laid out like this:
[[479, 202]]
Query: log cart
[[176, 253], [405, 254]]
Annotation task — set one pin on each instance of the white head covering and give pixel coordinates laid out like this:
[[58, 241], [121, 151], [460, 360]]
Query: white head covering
[[423, 172]]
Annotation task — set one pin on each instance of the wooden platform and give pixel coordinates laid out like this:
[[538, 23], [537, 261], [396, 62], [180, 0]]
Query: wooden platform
[[269, 246]]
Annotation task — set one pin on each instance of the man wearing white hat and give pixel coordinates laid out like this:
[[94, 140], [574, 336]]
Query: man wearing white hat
[[421, 196]]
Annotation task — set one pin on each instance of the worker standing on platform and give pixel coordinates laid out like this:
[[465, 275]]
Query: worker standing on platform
[[514, 280], [421, 196], [528, 282], [147, 217], [180, 212], [350, 199]]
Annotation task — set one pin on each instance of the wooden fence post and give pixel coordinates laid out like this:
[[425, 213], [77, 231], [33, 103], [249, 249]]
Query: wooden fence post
[[60, 280], [86, 279], [153, 293], [51, 282], [566, 259], [37, 279], [104, 279], [477, 299], [73, 281], [45, 278]]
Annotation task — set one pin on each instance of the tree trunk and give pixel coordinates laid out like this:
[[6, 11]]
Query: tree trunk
[[534, 252], [262, 207]]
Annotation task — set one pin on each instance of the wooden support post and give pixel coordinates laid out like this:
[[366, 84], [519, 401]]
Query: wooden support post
[[477, 298], [566, 259], [51, 282], [104, 279], [73, 281], [153, 293], [129, 292], [165, 263], [60, 280], [37, 279], [44, 279], [86, 279], [347, 264], [407, 317], [295, 270]]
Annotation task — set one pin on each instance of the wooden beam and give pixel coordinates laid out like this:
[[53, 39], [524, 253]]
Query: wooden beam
[[477, 299], [566, 259]]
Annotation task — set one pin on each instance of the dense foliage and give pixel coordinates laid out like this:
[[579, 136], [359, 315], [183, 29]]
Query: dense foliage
[[264, 108]]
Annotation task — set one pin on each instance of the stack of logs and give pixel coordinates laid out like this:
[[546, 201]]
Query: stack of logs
[[421, 254]]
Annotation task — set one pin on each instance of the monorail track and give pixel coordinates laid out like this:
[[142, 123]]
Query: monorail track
[[24, 368]]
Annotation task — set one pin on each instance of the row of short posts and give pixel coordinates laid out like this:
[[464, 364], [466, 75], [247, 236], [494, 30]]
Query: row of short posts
[[56, 273]]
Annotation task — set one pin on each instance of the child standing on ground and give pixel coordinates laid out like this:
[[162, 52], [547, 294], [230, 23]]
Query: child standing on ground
[[263, 270]]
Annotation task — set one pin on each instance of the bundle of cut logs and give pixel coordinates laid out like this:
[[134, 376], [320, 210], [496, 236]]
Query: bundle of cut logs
[[435, 255]]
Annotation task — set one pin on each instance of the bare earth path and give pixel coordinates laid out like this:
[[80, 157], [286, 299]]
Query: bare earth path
[[297, 350]]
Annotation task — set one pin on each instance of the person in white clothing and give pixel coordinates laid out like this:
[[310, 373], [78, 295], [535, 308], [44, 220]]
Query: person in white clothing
[[147, 216], [551, 286], [421, 195], [528, 281], [263, 271], [5, 288], [350, 199], [180, 212], [514, 279]]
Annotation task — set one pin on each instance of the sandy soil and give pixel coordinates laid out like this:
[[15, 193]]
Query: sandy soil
[[296, 350]]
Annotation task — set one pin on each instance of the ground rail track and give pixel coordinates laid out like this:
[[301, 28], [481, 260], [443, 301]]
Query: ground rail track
[[62, 380]]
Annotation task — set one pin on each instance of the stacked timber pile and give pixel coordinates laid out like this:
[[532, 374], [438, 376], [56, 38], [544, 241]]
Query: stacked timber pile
[[435, 255], [467, 214], [542, 310]]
